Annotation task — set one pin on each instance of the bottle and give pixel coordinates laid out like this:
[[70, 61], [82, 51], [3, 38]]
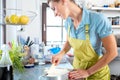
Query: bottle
[[43, 48], [6, 69], [42, 54]]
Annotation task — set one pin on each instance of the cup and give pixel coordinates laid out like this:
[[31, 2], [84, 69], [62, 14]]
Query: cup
[[41, 61]]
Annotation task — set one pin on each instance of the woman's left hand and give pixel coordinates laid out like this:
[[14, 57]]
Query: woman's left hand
[[78, 74]]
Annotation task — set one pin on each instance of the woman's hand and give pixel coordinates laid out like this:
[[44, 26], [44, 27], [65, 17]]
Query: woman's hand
[[57, 58], [78, 74]]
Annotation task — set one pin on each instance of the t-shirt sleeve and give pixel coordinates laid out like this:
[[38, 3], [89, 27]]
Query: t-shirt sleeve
[[104, 27]]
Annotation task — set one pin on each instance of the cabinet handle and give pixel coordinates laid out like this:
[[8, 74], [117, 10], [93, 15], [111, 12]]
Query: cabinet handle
[[44, 28]]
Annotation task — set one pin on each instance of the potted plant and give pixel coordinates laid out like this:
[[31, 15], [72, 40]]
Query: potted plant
[[15, 52]]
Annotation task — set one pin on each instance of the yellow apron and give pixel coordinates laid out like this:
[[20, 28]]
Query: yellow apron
[[85, 57]]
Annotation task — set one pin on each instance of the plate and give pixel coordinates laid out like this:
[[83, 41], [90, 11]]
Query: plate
[[29, 66]]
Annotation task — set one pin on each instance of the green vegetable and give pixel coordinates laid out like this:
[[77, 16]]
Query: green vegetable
[[15, 55], [0, 51], [0, 54]]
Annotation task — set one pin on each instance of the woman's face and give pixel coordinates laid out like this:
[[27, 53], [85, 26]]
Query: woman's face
[[59, 9]]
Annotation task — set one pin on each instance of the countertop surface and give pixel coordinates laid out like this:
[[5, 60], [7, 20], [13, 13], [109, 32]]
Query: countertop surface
[[38, 70]]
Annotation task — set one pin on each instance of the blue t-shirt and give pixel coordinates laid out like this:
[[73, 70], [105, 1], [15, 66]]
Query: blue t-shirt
[[99, 27]]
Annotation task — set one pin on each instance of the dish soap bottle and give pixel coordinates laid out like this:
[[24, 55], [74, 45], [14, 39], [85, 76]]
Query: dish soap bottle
[[6, 69]]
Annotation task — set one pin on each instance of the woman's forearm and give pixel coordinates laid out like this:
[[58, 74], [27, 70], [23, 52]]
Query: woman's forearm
[[110, 46], [66, 48], [106, 59]]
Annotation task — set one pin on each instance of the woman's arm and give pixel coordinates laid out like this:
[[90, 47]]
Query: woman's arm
[[57, 58], [66, 47], [110, 46]]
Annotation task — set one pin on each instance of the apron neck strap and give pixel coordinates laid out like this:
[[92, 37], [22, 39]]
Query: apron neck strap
[[86, 31], [69, 30]]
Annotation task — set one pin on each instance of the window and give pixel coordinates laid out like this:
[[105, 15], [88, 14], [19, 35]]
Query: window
[[2, 27], [52, 27]]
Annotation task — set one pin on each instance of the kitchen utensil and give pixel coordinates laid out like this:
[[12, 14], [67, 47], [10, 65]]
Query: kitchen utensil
[[6, 73], [29, 66], [28, 39], [6, 68], [57, 74], [52, 68], [31, 43], [28, 42]]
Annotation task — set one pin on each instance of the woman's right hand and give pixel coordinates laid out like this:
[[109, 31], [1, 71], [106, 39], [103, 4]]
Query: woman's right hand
[[57, 58]]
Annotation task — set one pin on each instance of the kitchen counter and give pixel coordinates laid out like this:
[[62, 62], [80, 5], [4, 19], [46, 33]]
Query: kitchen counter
[[36, 72], [115, 67]]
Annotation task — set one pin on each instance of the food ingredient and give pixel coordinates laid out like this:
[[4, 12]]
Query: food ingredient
[[14, 19], [57, 72], [31, 60], [16, 57], [7, 19], [24, 19], [15, 53], [0, 54], [0, 51]]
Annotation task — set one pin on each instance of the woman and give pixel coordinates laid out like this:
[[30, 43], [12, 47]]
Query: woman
[[87, 31]]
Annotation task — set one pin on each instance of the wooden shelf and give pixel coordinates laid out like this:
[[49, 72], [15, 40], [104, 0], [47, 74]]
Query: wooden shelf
[[116, 26], [103, 8]]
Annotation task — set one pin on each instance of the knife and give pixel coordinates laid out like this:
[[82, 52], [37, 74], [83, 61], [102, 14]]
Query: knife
[[28, 39], [30, 44]]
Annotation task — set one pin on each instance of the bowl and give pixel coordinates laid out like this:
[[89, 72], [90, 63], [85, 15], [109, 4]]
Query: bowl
[[57, 74], [16, 17], [29, 66]]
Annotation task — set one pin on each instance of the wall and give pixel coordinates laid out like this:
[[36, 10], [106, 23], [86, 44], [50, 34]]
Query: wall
[[34, 28], [11, 33]]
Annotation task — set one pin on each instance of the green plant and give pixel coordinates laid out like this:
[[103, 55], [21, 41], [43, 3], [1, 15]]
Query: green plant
[[16, 56], [0, 53]]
